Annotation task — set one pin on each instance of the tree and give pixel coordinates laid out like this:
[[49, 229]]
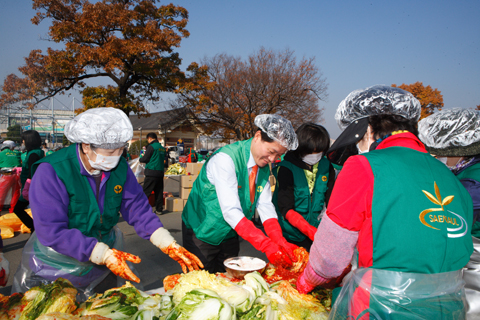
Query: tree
[[478, 107], [266, 82], [430, 99], [14, 133], [128, 42]]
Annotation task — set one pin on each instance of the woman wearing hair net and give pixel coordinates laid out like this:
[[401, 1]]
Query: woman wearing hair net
[[76, 195], [233, 183], [406, 215], [453, 136]]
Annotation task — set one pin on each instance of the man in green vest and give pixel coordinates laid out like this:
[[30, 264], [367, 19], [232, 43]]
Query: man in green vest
[[8, 157], [453, 136], [77, 195], [402, 216], [154, 170], [232, 183]]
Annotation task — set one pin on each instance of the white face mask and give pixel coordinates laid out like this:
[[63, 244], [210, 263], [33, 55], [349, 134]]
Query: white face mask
[[312, 158], [442, 160], [361, 151], [104, 163]]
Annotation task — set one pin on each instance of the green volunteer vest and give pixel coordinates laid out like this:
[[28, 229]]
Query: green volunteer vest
[[158, 156], [308, 205], [25, 174], [202, 211], [83, 211], [23, 156], [421, 213], [9, 159], [473, 173]]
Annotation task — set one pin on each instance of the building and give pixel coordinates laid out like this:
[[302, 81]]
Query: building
[[48, 122]]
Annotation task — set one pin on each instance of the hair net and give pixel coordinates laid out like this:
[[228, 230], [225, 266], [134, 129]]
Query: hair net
[[454, 132], [4, 146], [9, 143], [106, 128], [377, 100], [278, 129]]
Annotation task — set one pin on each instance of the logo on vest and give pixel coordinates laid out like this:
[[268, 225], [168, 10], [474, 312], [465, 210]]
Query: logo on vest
[[259, 189], [457, 230], [118, 188], [324, 178]]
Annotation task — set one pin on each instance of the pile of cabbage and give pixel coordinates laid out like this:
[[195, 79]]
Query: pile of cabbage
[[200, 295]]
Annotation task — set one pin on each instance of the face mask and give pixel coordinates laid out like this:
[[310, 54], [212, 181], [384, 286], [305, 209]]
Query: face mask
[[361, 151], [442, 160], [313, 158], [104, 163]]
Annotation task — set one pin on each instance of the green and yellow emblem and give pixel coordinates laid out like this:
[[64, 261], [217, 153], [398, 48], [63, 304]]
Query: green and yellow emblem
[[443, 218], [118, 188]]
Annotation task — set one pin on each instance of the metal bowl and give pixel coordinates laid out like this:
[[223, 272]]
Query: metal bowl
[[238, 267]]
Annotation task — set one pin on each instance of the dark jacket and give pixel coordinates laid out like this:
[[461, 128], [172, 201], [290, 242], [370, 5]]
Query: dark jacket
[[146, 159]]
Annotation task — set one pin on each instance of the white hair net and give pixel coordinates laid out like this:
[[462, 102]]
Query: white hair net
[[453, 132], [106, 128], [9, 143], [377, 100], [278, 129]]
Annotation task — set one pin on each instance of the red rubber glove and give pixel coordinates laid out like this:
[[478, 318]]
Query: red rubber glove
[[275, 254], [274, 231], [303, 286], [301, 224]]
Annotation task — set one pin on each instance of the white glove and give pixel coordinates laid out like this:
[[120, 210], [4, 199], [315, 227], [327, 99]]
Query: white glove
[[4, 270], [162, 239], [115, 260]]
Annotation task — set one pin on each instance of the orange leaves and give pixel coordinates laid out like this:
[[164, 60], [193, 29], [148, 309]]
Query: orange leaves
[[129, 42], [429, 98]]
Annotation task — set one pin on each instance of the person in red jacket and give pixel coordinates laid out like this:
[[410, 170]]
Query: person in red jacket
[[402, 216]]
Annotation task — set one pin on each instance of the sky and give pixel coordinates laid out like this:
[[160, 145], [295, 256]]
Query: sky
[[356, 44]]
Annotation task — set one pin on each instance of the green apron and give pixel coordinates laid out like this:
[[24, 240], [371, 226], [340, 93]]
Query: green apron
[[83, 210], [26, 170], [202, 211], [157, 159], [421, 224], [308, 204], [9, 159]]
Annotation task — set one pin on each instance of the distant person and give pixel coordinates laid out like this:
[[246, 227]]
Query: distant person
[[142, 152], [154, 170], [8, 157], [32, 142]]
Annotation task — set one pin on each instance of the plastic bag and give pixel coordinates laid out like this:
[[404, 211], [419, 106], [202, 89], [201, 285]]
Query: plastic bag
[[6, 232], [137, 167], [384, 294], [11, 220], [4, 270], [42, 265], [7, 184]]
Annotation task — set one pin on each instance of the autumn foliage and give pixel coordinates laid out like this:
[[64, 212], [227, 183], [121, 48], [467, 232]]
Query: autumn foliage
[[128, 42], [266, 82], [429, 98]]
